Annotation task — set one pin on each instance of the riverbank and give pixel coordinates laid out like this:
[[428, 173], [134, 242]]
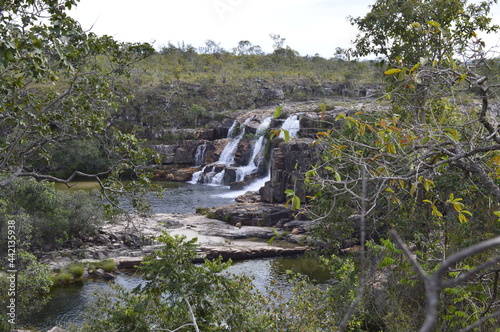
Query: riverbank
[[131, 238]]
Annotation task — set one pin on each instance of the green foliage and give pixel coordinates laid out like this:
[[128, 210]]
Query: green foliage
[[166, 95], [34, 282], [427, 168], [174, 292], [60, 84], [76, 269], [45, 216], [108, 265], [62, 278], [405, 32], [86, 155]]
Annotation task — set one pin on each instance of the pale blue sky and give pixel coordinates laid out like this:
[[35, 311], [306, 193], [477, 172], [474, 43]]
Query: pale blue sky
[[309, 26]]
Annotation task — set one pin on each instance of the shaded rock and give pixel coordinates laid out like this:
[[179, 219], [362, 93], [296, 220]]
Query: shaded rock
[[242, 232], [98, 255], [76, 243], [237, 253], [301, 226], [174, 173], [249, 197], [182, 153], [108, 276], [127, 262], [243, 152], [253, 214], [289, 162], [102, 239]]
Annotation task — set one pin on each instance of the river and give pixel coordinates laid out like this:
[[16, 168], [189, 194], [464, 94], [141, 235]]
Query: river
[[68, 302]]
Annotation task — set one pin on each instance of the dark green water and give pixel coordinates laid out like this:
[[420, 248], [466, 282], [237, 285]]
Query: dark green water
[[68, 302]]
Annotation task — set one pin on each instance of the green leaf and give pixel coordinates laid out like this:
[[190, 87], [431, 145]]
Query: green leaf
[[278, 111], [392, 71], [287, 135], [295, 203], [435, 24], [386, 261], [414, 68], [337, 176], [414, 188]]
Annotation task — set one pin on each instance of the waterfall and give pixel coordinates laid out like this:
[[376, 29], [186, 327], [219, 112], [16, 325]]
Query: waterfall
[[227, 155], [199, 157], [230, 133], [253, 164], [226, 158], [292, 125], [215, 173]]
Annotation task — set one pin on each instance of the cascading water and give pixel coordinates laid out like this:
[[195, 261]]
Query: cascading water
[[292, 125], [226, 158], [199, 157], [230, 133], [257, 155], [215, 174]]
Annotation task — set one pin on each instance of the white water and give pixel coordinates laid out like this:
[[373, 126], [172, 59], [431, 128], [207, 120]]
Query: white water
[[230, 133], [199, 157], [254, 186], [292, 125], [255, 159]]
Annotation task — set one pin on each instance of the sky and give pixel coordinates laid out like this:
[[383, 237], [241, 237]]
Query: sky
[[308, 26]]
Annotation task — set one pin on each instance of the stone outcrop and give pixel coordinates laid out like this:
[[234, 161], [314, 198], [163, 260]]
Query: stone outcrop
[[174, 173], [268, 215], [289, 162], [129, 241]]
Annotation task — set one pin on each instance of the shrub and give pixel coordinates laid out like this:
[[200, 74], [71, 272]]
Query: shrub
[[76, 269], [108, 265], [46, 216], [61, 278]]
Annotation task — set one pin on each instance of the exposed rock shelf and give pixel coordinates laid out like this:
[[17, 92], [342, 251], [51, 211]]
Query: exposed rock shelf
[[121, 241]]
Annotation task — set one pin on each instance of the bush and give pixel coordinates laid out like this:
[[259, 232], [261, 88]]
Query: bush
[[62, 278], [108, 265], [76, 269], [46, 217]]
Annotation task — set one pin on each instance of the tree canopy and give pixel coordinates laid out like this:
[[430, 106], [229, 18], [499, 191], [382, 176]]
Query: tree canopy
[[59, 85]]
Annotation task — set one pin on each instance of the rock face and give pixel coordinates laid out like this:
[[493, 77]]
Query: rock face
[[246, 214], [289, 162]]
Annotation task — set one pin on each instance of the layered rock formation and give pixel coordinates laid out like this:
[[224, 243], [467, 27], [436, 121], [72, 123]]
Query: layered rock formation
[[247, 152]]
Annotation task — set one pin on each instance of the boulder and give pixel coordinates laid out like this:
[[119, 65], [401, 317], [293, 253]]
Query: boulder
[[237, 253], [102, 239], [76, 243], [174, 173], [182, 153], [268, 215]]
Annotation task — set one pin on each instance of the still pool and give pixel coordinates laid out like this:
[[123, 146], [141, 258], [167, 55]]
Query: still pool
[[68, 302]]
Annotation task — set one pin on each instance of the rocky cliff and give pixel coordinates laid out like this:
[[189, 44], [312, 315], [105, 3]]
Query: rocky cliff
[[199, 152]]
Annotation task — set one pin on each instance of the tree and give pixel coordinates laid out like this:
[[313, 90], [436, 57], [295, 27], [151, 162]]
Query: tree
[[246, 48], [426, 166], [405, 31], [178, 293], [33, 287], [60, 84]]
